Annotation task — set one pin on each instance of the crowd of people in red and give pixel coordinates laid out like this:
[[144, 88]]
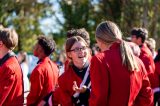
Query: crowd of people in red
[[117, 73]]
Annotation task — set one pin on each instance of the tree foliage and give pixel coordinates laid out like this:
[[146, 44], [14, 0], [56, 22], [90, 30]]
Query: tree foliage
[[24, 17], [126, 13]]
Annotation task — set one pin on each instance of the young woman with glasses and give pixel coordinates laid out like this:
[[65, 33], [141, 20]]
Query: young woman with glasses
[[74, 83]]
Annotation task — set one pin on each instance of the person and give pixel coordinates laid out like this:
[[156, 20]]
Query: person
[[44, 77], [151, 43], [11, 78], [60, 61], [156, 89], [79, 32], [118, 77], [74, 84], [95, 49], [22, 58], [135, 48], [139, 36]]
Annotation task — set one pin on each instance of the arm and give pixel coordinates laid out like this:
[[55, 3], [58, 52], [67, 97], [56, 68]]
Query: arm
[[99, 83], [37, 81], [62, 94], [149, 63], [145, 96], [6, 83]]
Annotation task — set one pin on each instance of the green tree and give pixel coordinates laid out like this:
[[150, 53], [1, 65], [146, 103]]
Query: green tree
[[126, 13], [76, 14], [24, 17]]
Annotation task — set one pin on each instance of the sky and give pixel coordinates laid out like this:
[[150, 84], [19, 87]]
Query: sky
[[50, 24]]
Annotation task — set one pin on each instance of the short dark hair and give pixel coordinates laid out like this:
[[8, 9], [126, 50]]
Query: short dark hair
[[140, 32], [9, 38], [47, 44], [79, 32]]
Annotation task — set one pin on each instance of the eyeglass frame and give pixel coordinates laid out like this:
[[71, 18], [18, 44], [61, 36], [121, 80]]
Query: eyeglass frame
[[79, 49]]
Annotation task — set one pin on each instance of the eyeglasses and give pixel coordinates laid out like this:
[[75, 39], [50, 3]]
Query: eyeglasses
[[77, 49]]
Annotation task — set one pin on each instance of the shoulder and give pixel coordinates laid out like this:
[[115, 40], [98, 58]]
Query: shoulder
[[10, 68], [101, 59], [11, 61], [145, 50], [98, 56], [66, 75], [11, 64], [55, 66], [42, 65], [67, 72], [37, 71]]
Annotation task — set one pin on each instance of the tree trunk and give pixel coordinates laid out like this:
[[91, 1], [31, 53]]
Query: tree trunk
[[145, 13]]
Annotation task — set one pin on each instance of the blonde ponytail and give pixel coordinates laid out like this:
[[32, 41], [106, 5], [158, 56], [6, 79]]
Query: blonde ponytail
[[127, 56], [109, 32]]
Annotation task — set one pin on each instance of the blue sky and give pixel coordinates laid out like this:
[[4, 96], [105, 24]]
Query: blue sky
[[50, 24]]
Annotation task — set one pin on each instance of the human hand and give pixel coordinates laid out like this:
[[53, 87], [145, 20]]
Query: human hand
[[78, 89]]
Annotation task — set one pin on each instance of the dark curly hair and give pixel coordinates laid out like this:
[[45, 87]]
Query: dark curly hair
[[47, 44], [140, 32], [79, 32]]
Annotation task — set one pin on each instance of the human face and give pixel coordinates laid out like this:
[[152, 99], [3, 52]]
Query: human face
[[98, 43], [79, 53], [102, 46], [37, 50], [134, 39]]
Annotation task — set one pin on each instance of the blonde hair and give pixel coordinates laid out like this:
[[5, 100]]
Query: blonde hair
[[109, 33], [9, 37], [151, 43]]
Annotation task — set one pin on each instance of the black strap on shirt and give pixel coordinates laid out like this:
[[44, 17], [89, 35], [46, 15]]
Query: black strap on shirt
[[6, 57], [80, 72], [81, 99]]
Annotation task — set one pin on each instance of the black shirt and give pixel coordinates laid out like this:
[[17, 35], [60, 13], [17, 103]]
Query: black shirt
[[81, 72]]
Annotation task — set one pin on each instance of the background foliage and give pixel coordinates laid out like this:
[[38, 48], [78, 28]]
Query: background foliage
[[25, 15]]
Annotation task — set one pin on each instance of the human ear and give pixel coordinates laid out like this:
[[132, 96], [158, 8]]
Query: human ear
[[69, 55]]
